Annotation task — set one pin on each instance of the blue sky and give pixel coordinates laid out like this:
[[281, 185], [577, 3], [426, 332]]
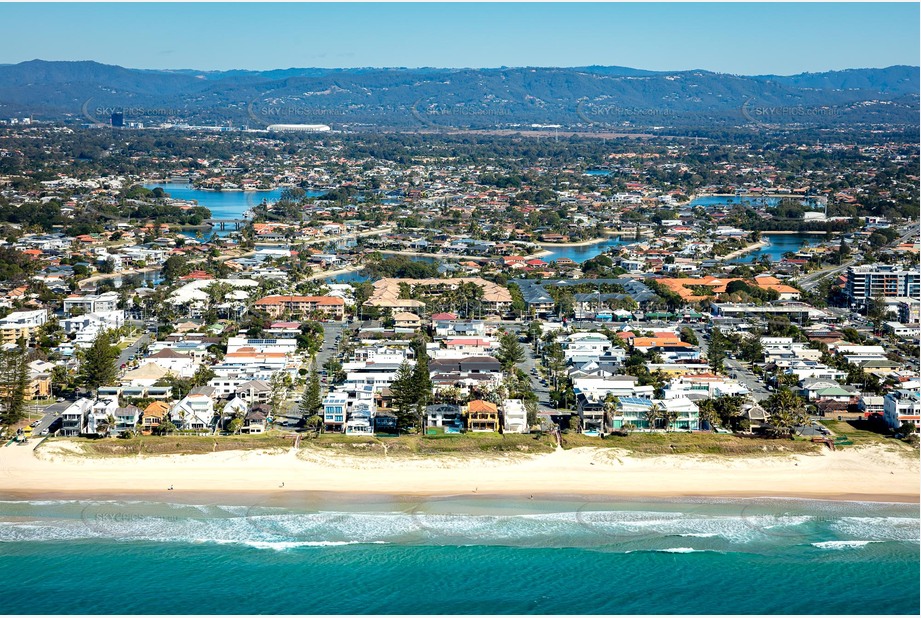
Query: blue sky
[[733, 38]]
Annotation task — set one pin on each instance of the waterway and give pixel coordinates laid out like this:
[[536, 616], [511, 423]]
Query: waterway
[[585, 252], [222, 204], [778, 245], [747, 200]]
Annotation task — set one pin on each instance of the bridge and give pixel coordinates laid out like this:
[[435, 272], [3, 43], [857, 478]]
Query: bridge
[[222, 224]]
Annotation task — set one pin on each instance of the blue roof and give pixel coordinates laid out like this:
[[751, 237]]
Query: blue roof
[[636, 401]]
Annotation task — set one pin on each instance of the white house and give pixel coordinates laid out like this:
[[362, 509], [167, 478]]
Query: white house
[[902, 406], [176, 363], [97, 419], [91, 303], [87, 327], [193, 412], [515, 416]]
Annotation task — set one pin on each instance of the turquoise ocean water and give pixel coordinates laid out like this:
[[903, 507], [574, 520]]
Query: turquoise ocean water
[[307, 554]]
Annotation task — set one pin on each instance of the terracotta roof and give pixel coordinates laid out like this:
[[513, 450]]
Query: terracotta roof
[[478, 405]]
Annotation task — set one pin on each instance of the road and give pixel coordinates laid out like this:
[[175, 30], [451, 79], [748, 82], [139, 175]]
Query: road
[[747, 379], [132, 350], [291, 405], [812, 280], [49, 415], [331, 330], [543, 392]]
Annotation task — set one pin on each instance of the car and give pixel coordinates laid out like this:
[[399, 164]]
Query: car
[[34, 423], [44, 432]]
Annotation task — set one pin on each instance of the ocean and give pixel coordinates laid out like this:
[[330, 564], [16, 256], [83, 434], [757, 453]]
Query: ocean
[[305, 553]]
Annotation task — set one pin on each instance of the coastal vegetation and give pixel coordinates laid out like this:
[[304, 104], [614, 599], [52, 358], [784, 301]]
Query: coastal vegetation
[[473, 443]]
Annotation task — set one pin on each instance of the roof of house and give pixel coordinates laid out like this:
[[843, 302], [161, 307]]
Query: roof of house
[[318, 300], [478, 405], [147, 371], [156, 408]]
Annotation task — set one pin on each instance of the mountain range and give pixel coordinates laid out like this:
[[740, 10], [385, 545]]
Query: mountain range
[[587, 98]]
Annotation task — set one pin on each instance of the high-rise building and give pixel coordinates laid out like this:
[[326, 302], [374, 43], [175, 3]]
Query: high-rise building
[[886, 280], [118, 119]]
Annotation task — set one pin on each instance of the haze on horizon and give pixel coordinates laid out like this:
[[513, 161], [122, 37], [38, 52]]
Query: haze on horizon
[[742, 38]]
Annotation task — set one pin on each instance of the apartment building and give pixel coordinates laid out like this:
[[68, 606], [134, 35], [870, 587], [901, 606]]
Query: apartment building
[[902, 406], [22, 325], [887, 280], [329, 307], [91, 303]]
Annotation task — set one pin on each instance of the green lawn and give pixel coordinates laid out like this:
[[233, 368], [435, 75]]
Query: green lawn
[[862, 433], [178, 444], [640, 443], [468, 444], [451, 444]]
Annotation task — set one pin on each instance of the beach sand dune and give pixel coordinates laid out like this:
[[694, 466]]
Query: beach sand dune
[[867, 473]]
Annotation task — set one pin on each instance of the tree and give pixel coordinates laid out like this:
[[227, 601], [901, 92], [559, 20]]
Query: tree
[[235, 425], [510, 352], [610, 407], [706, 411], [203, 375], [785, 411], [14, 381], [314, 422], [105, 425], [166, 427], [669, 417], [688, 336], [652, 415], [312, 399], [174, 267], [276, 395], [877, 311], [403, 396], [717, 350], [531, 408], [98, 366]]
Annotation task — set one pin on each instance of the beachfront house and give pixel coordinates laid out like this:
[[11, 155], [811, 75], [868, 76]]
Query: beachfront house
[[126, 419], [334, 410], [195, 412], [444, 415], [154, 415], [515, 416], [482, 416], [360, 421], [73, 418], [902, 406]]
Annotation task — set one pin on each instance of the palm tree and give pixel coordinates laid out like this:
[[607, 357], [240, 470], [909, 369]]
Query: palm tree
[[707, 412], [103, 427], [669, 416], [652, 415], [610, 407], [785, 410]]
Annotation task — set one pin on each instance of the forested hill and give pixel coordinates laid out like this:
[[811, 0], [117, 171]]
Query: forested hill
[[592, 98]]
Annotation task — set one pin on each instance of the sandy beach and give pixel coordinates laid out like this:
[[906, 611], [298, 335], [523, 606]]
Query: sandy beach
[[879, 473], [324, 274], [748, 249]]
